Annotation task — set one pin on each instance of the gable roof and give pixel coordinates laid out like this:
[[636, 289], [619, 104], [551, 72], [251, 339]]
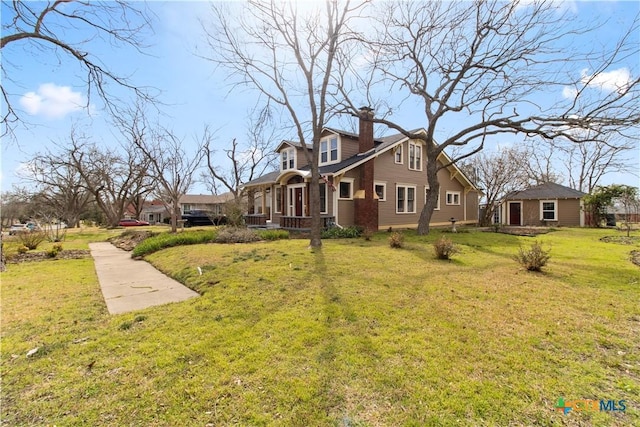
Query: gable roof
[[206, 198], [548, 190]]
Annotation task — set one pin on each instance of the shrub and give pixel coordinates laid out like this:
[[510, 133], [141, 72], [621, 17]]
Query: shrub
[[23, 249], [167, 240], [533, 259], [396, 240], [341, 233], [236, 235], [273, 234], [445, 248], [32, 239], [54, 251], [367, 235]]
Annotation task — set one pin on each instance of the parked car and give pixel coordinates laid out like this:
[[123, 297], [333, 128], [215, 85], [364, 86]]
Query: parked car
[[194, 218], [18, 228], [132, 222]]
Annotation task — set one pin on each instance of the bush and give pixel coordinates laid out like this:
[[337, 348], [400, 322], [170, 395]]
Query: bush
[[32, 239], [54, 251], [396, 240], [167, 240], [341, 233], [23, 249], [236, 235], [445, 248], [533, 259], [273, 234]]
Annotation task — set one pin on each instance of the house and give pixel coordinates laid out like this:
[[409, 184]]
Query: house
[[545, 204], [212, 203], [375, 183]]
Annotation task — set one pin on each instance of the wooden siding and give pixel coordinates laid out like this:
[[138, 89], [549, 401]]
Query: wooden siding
[[392, 174], [567, 210]]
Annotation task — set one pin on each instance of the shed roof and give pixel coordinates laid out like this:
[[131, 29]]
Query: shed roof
[[548, 190]]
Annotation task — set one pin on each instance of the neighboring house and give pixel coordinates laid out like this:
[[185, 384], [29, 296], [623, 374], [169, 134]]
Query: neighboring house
[[212, 203], [155, 213], [373, 183], [545, 204]]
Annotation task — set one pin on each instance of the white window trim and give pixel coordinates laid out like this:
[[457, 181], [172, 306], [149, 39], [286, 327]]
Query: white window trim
[[555, 210], [350, 181], [419, 163], [426, 188], [406, 200], [327, 140], [384, 190], [326, 199], [399, 148], [291, 154], [453, 193], [278, 203]]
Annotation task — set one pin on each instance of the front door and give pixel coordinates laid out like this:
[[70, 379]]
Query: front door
[[515, 213], [296, 200]]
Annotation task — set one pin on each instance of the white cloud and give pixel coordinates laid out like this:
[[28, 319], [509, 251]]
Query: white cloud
[[616, 80], [52, 101], [569, 92]]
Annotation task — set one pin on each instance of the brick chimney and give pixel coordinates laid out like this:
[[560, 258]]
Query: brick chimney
[[365, 200], [365, 137]]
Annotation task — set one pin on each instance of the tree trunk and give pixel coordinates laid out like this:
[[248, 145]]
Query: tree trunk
[[432, 195], [314, 206]]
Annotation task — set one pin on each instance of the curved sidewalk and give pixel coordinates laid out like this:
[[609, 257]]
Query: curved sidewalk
[[129, 285]]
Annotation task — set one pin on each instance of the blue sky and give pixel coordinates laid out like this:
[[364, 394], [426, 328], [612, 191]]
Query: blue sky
[[48, 90]]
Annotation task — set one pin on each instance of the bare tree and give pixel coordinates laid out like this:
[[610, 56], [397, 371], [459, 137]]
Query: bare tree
[[51, 27], [485, 68], [60, 187], [170, 167], [113, 179], [588, 162], [287, 52], [535, 163], [244, 162], [497, 175]]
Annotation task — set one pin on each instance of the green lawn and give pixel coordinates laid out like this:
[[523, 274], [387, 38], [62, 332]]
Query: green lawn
[[357, 334]]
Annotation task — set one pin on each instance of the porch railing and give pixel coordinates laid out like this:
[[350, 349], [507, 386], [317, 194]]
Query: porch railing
[[304, 222], [255, 220]]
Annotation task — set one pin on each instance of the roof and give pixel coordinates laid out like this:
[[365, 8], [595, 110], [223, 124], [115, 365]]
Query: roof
[[548, 190], [206, 198], [268, 178]]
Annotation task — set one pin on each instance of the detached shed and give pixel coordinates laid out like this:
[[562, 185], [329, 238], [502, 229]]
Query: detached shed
[[545, 204]]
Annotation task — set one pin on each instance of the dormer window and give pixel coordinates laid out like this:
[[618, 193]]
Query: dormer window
[[288, 159], [329, 150]]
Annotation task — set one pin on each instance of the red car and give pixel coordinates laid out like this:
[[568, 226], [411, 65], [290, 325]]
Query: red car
[[131, 222]]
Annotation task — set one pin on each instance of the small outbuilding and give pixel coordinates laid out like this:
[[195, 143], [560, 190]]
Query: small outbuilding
[[546, 204]]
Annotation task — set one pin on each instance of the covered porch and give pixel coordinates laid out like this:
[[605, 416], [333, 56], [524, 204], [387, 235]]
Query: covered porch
[[300, 223]]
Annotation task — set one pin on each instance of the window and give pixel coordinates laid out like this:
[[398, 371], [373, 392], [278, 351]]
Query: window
[[186, 208], [329, 150], [278, 208], [288, 158], [398, 154], [323, 198], [346, 188], [381, 191], [453, 197], [426, 190], [406, 199], [548, 210], [415, 156]]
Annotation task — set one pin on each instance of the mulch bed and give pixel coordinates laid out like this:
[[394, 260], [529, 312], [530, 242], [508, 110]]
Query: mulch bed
[[41, 256], [623, 240], [635, 257], [521, 231]]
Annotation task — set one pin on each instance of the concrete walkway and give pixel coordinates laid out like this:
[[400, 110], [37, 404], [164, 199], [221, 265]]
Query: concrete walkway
[[129, 285]]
